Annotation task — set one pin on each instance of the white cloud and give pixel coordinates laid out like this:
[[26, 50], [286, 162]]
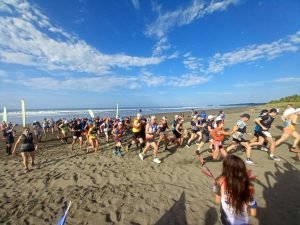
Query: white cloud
[[193, 63], [180, 17], [295, 38], [136, 4], [268, 82], [249, 54], [183, 16], [288, 79], [23, 40]]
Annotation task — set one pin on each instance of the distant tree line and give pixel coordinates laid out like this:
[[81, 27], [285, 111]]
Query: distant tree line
[[292, 98]]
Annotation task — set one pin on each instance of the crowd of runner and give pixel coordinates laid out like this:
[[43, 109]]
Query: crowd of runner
[[149, 133], [146, 133]]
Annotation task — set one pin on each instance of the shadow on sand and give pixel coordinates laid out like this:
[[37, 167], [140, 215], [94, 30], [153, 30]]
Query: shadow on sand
[[283, 197], [176, 214]]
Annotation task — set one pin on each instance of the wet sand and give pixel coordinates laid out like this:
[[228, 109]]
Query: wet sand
[[106, 189]]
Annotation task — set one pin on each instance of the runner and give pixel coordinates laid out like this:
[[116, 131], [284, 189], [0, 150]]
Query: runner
[[64, 128], [163, 126], [179, 132], [93, 140], [8, 135], [290, 119], [218, 135], [233, 189], [237, 138], [27, 148], [137, 134], [207, 128], [151, 130], [118, 132], [106, 128], [174, 124], [77, 135], [195, 130], [264, 123], [37, 131]]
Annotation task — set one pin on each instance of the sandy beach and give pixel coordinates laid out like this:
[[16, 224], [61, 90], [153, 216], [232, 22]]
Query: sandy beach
[[105, 189]]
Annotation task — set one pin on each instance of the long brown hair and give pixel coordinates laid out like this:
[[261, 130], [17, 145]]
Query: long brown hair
[[237, 182]]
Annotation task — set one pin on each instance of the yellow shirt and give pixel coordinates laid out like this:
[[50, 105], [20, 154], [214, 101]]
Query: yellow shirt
[[135, 124]]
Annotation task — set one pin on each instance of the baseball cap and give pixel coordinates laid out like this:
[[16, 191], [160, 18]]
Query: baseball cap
[[139, 115], [120, 124], [246, 115], [210, 117], [164, 118]]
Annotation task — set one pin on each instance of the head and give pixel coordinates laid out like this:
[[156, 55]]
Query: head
[[245, 117], [153, 119], [220, 124], [26, 130], [164, 119], [176, 117], [139, 116], [237, 181], [120, 124], [289, 106], [273, 112]]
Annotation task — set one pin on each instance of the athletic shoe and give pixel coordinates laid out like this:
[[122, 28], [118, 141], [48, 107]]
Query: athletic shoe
[[114, 152], [141, 155], [249, 162], [264, 149], [187, 146], [156, 160], [274, 158], [120, 154]]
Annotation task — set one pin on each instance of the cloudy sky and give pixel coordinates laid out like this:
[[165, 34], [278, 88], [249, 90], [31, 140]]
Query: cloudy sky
[[88, 53]]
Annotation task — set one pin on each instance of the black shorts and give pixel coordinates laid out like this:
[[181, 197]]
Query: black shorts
[[205, 138], [177, 135], [194, 131], [27, 150], [259, 134], [137, 135], [10, 140], [239, 141]]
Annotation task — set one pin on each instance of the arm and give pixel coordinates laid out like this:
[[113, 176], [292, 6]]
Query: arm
[[177, 127], [217, 191], [259, 123], [17, 144]]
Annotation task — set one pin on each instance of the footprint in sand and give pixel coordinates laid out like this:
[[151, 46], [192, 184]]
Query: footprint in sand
[[75, 177]]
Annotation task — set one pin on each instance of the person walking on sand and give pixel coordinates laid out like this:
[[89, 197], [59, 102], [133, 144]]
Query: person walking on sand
[[237, 138], [235, 193], [27, 148], [290, 120], [264, 123], [8, 135], [151, 130], [218, 134]]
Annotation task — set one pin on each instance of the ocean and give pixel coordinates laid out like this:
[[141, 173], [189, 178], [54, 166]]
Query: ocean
[[15, 116]]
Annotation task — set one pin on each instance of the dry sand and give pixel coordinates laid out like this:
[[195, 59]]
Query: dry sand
[[106, 189]]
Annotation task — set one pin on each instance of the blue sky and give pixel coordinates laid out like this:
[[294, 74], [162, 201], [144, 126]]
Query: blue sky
[[89, 53]]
